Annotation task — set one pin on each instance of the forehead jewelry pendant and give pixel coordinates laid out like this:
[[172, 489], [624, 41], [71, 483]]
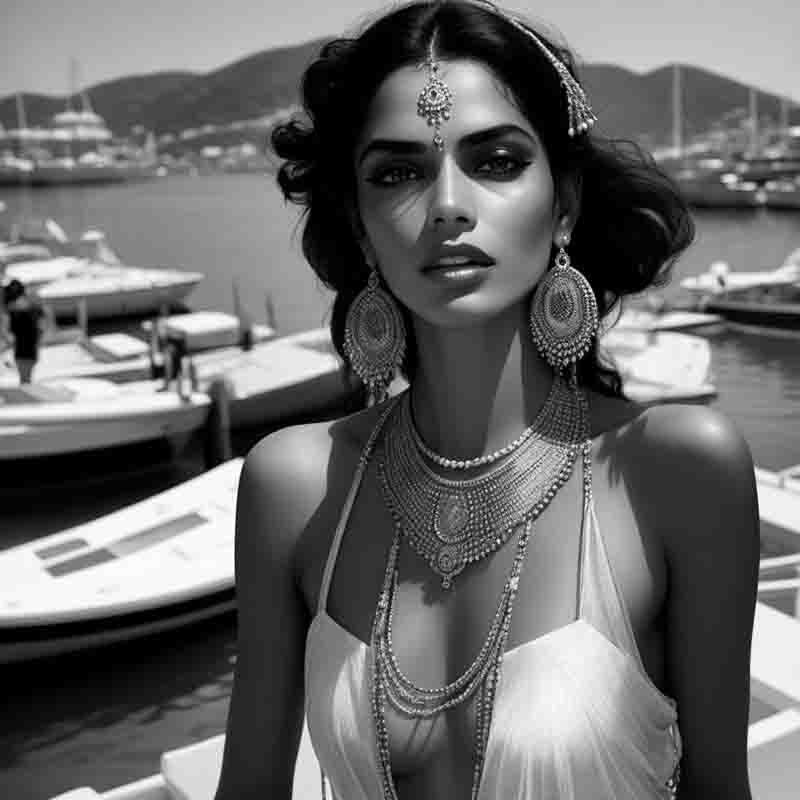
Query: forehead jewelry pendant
[[435, 101]]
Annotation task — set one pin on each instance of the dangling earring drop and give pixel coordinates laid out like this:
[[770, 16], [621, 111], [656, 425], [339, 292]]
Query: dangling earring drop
[[563, 313], [374, 337]]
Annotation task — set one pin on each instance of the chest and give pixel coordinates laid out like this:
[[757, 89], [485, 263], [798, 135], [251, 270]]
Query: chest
[[437, 633]]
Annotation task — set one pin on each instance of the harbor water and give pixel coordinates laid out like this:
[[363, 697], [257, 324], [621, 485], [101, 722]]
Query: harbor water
[[103, 718]]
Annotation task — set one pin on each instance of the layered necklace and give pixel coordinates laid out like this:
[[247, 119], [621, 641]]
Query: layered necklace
[[452, 523]]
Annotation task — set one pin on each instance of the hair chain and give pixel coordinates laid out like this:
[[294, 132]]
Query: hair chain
[[581, 116]]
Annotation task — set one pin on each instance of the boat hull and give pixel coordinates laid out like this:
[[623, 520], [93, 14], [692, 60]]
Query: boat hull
[[783, 316], [137, 412], [164, 562], [277, 380], [78, 175], [44, 641], [116, 301], [660, 366]]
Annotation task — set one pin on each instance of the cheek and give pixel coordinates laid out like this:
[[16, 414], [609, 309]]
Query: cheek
[[394, 230], [526, 224]]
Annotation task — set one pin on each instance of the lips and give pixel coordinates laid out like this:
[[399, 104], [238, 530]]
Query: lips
[[458, 257]]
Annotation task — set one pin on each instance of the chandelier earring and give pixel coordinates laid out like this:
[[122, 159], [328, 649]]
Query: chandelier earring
[[374, 337], [563, 313]]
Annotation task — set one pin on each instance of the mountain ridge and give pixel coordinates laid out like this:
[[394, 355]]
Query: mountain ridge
[[629, 104]]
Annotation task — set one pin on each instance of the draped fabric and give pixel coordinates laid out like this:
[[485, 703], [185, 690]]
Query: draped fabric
[[576, 717]]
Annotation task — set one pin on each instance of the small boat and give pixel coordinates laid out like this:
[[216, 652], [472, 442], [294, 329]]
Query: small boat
[[293, 375], [11, 252], [660, 366], [783, 194], [636, 319], [155, 565], [276, 380], [65, 284], [121, 356], [79, 414], [765, 299], [715, 190]]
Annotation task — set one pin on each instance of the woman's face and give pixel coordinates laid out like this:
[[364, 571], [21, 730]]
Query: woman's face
[[464, 233]]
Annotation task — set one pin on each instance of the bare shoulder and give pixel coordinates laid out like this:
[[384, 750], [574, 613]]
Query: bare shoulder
[[692, 468], [286, 480], [696, 431], [294, 472]]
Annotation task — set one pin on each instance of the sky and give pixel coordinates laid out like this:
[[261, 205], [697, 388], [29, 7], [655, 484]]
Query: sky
[[751, 41]]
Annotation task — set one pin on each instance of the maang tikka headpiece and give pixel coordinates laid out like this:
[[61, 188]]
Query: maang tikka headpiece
[[435, 101]]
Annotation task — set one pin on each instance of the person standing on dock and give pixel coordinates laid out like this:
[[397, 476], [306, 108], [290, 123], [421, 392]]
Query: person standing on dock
[[25, 317]]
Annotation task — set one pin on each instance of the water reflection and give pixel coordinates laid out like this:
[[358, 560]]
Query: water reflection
[[103, 718]]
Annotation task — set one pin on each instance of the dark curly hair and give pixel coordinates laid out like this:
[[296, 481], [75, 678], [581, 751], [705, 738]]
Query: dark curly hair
[[633, 222]]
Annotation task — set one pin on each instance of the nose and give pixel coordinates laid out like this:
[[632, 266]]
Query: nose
[[452, 206]]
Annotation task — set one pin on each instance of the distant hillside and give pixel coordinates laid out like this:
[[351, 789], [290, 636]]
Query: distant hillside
[[640, 105], [627, 103]]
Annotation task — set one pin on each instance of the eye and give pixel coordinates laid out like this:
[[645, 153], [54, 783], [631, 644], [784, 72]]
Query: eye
[[502, 165], [394, 175]]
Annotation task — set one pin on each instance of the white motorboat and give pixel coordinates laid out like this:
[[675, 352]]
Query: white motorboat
[[275, 380], [122, 356], [106, 290], [155, 565], [79, 414], [661, 366], [291, 375], [765, 299], [635, 319]]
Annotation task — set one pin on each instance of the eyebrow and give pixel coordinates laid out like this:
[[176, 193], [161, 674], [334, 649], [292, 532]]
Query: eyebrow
[[405, 147]]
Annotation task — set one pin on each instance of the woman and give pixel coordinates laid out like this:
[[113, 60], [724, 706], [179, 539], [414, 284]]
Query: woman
[[450, 180]]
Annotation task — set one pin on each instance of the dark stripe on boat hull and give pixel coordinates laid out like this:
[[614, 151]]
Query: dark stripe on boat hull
[[785, 317], [38, 641]]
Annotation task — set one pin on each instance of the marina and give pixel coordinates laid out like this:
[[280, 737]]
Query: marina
[[765, 299], [105, 716]]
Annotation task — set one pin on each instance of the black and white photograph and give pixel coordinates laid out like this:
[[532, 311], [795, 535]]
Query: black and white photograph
[[399, 400]]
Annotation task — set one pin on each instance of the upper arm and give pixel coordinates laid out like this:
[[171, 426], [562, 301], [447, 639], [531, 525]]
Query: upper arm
[[275, 501], [708, 518]]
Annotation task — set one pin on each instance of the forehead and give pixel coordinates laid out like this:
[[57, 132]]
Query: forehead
[[480, 100]]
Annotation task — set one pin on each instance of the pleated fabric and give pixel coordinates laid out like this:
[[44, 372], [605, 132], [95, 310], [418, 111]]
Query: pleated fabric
[[576, 716]]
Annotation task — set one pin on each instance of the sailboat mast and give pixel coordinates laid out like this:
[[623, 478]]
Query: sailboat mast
[[784, 118], [73, 82], [677, 111], [753, 120], [22, 123]]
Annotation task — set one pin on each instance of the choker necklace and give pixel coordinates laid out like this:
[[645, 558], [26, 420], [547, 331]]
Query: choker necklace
[[453, 523], [480, 461]]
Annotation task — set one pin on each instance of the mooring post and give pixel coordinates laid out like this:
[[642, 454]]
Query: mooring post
[[218, 447]]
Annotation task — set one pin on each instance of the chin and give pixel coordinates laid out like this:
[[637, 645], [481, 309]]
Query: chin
[[472, 310]]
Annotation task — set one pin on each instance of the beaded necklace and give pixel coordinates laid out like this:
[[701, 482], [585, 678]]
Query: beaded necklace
[[452, 523], [479, 461], [481, 677]]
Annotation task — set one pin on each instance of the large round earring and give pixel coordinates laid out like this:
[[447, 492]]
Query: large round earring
[[374, 337], [563, 314]]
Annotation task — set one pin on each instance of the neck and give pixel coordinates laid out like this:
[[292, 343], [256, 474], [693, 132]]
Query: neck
[[476, 389]]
